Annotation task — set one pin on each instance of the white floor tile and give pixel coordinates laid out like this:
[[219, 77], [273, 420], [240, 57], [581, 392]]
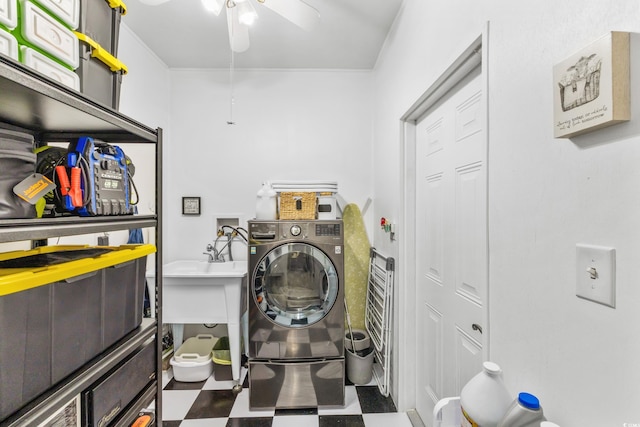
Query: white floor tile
[[176, 403], [351, 404], [205, 422], [241, 407], [166, 377], [395, 419], [296, 421]]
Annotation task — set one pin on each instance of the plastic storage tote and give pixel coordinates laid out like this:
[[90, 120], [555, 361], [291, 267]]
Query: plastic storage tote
[[67, 11], [100, 20], [100, 73], [55, 313], [41, 30], [99, 69], [45, 65], [8, 44], [192, 362], [9, 14]]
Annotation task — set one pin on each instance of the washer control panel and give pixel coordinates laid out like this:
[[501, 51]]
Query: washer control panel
[[328, 229], [320, 231]]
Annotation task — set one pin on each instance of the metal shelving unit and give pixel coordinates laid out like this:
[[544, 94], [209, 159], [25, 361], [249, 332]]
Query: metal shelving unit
[[53, 112]]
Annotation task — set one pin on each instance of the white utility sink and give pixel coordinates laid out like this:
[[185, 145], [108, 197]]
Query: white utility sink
[[195, 268], [200, 292]]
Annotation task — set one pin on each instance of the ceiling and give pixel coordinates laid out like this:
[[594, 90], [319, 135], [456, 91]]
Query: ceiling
[[183, 35]]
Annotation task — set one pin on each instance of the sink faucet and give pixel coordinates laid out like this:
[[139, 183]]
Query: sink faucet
[[214, 254]]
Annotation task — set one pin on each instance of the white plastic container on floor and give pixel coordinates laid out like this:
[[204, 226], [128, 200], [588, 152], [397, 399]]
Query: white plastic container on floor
[[484, 400], [192, 362], [525, 411]]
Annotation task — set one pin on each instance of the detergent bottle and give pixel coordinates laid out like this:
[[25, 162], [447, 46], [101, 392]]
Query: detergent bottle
[[484, 400], [267, 203], [525, 411]]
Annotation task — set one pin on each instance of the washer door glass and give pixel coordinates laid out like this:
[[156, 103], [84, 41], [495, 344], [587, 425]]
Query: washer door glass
[[295, 284]]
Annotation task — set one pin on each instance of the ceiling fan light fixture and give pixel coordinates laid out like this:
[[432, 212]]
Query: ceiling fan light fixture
[[213, 6], [247, 15]]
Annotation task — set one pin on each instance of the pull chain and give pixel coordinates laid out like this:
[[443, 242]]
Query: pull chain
[[231, 72], [231, 96]]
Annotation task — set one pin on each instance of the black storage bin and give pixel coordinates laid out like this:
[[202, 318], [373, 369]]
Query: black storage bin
[[25, 347], [57, 316], [77, 319], [123, 299], [106, 399], [101, 23], [17, 161]]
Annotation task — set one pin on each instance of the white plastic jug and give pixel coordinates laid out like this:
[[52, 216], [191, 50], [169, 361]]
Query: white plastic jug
[[267, 203], [484, 400], [525, 411]]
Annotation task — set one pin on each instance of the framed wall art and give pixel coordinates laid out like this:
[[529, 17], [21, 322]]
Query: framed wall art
[[591, 87], [191, 206]]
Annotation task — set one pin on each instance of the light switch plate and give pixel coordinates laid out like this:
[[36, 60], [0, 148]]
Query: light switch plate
[[596, 274]]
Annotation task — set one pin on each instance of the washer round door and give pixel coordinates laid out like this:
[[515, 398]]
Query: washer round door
[[295, 285]]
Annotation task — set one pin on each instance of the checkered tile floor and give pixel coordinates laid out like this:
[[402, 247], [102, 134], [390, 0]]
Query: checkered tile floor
[[211, 403]]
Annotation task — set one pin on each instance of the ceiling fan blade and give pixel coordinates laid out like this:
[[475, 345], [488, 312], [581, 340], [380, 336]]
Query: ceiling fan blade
[[153, 2], [238, 33], [214, 6], [296, 11]]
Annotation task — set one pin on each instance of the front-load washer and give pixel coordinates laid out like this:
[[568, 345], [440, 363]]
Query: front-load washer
[[296, 313]]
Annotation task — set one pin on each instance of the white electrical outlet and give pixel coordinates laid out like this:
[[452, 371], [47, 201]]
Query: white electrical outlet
[[596, 274]]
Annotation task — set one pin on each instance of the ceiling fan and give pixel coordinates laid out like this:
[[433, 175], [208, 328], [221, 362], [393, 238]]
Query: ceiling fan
[[241, 14]]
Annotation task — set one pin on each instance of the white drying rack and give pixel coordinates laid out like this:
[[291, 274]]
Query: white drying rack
[[378, 315]]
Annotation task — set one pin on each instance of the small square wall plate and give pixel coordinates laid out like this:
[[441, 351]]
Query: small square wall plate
[[596, 274]]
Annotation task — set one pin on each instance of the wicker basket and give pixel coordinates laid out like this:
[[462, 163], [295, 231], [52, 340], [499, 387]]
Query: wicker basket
[[298, 205]]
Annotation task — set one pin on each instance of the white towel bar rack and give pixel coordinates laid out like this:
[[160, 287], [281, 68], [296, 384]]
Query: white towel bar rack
[[378, 315]]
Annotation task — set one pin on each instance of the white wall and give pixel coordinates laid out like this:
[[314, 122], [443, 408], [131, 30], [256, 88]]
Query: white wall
[[144, 96], [289, 125], [545, 195]]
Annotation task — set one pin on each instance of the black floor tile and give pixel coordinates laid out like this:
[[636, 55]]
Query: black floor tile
[[250, 422], [179, 385], [341, 421], [371, 401], [212, 404], [171, 423], [299, 411]]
